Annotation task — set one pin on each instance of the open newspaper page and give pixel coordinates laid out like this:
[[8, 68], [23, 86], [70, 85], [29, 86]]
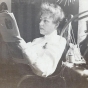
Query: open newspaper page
[[8, 27], [9, 31]]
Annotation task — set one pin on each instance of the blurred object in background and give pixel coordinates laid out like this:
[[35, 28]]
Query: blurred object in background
[[66, 2], [5, 5]]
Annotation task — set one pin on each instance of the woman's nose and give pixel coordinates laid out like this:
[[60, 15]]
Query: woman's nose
[[41, 23]]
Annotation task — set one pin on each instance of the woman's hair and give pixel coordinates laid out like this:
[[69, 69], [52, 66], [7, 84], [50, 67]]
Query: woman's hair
[[55, 11]]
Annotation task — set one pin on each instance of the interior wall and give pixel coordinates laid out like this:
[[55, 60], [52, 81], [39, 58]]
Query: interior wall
[[82, 25]]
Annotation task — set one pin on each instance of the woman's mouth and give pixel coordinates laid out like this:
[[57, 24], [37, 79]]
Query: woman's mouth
[[41, 28]]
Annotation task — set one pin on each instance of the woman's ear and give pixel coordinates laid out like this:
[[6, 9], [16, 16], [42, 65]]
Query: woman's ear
[[57, 25]]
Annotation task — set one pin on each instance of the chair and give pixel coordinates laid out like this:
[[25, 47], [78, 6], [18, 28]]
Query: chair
[[56, 80]]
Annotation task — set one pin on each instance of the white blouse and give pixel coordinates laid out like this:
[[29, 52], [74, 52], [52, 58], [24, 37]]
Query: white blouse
[[43, 54]]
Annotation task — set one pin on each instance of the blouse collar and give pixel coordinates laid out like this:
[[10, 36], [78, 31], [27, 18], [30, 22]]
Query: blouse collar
[[51, 35]]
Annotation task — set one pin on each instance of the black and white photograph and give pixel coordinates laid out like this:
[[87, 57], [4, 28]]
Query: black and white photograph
[[43, 43]]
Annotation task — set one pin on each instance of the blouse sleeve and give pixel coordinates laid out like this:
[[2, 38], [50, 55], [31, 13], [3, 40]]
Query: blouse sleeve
[[45, 60]]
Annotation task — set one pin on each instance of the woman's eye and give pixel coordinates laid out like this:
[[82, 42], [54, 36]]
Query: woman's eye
[[45, 20]]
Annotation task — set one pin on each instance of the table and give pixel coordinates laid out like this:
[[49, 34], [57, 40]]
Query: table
[[76, 76]]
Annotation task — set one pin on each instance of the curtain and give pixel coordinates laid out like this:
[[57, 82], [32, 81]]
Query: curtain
[[26, 14]]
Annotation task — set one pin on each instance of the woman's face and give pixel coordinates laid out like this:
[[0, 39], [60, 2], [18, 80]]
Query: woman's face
[[46, 24]]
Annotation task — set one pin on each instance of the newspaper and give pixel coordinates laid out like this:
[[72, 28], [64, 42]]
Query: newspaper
[[8, 27]]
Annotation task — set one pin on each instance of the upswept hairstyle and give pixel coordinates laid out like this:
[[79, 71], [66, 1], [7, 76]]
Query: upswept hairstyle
[[55, 11]]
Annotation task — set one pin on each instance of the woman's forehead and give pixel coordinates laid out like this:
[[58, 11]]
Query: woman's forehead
[[46, 16]]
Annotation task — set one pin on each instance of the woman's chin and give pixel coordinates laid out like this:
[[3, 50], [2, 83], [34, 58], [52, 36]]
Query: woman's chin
[[42, 33]]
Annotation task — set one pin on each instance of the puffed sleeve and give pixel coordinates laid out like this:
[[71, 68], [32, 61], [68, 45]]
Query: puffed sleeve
[[44, 61]]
